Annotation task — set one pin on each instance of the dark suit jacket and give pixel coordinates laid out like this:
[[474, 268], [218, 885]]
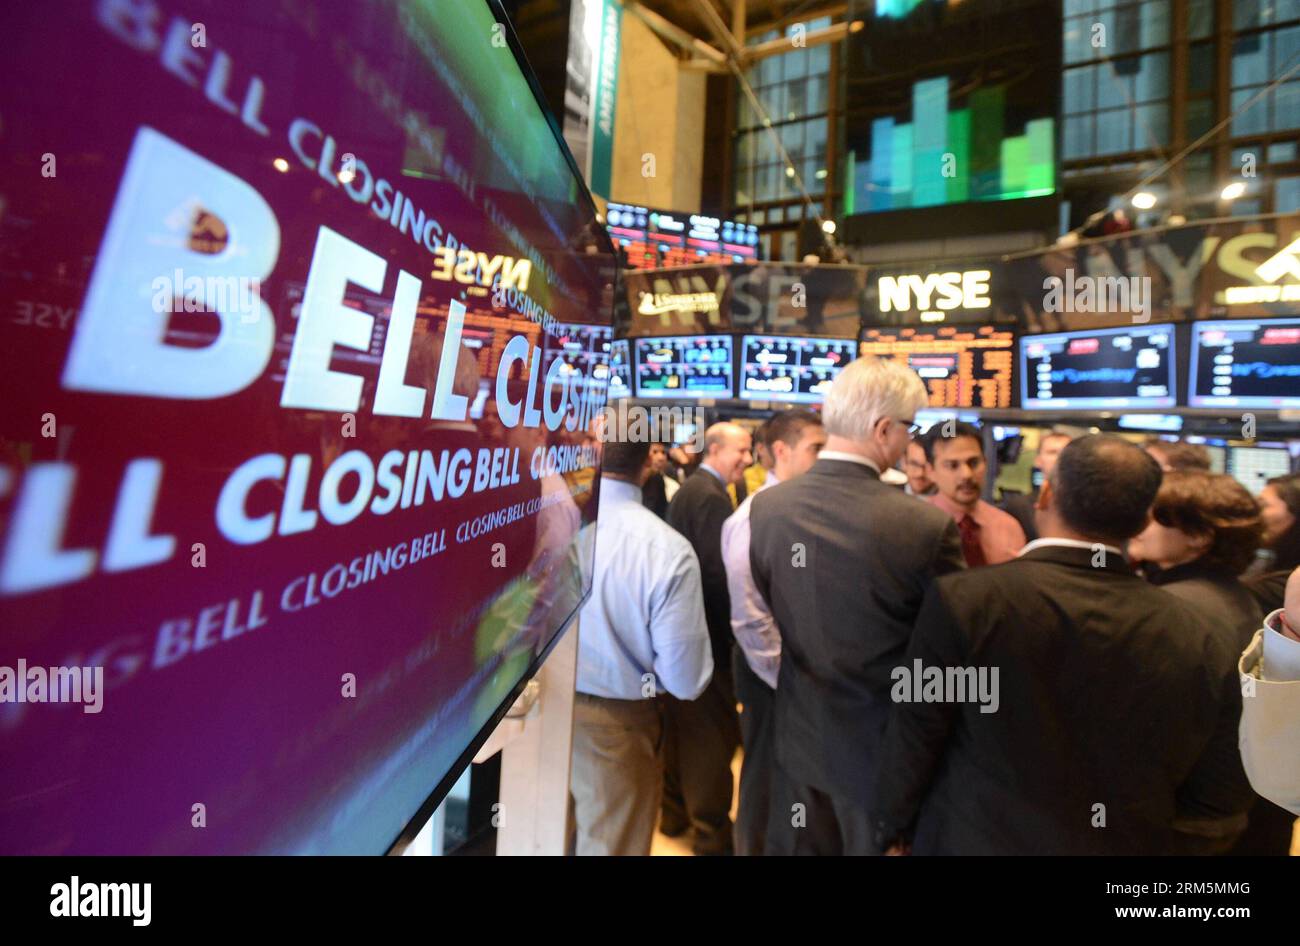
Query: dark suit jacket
[[698, 511], [1021, 507], [843, 560], [1112, 693]]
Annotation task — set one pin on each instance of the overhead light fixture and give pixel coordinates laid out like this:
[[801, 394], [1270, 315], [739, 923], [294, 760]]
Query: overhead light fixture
[[1233, 191], [828, 226], [821, 174], [789, 172], [1144, 200], [281, 165]]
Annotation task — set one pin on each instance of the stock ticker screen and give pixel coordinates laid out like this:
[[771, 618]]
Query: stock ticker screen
[[1121, 367], [684, 366], [796, 370], [1246, 364], [962, 366], [620, 370]]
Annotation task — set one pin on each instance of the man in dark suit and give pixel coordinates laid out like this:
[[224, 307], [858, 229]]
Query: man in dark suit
[[1110, 726], [702, 735], [1021, 505], [843, 561]]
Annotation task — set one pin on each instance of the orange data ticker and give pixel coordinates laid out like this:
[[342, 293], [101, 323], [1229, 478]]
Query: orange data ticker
[[961, 367]]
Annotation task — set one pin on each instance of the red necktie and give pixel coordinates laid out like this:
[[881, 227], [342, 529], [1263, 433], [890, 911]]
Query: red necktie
[[970, 541]]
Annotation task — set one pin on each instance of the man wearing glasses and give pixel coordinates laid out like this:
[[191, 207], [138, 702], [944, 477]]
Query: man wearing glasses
[[843, 561]]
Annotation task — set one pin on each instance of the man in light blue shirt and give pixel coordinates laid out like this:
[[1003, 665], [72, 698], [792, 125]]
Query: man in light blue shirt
[[641, 633]]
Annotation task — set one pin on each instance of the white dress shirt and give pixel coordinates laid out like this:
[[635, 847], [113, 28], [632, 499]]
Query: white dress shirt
[[646, 610], [752, 622], [1069, 544], [848, 458]]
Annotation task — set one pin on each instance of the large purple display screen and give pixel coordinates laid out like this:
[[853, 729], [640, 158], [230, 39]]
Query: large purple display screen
[[290, 501]]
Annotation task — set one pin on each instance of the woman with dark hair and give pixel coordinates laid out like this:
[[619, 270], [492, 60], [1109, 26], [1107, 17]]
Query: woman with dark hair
[[1205, 529], [1279, 505]]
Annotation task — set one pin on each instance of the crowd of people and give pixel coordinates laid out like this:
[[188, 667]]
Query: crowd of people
[[1107, 665]]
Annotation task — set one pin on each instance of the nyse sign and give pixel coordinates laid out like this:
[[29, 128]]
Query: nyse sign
[[942, 291]]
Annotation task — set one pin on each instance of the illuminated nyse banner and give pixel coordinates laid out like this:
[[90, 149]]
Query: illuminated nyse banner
[[651, 239], [1123, 367], [787, 368], [685, 366], [961, 367], [1246, 364], [297, 488], [620, 369]]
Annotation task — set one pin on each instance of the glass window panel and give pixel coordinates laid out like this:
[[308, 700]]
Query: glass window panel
[[792, 138], [816, 95], [789, 245], [1152, 81], [1250, 60], [1114, 132], [1284, 151], [1075, 7], [821, 23], [773, 101], [809, 172], [1200, 115], [1286, 47], [1079, 92], [1154, 23], [1115, 83], [796, 98], [1123, 31], [1286, 195], [815, 145], [776, 215], [760, 217], [1245, 14], [1078, 137], [1254, 120], [765, 182], [819, 59], [1200, 19], [1286, 106], [764, 147], [1246, 208], [1284, 10], [1152, 129], [796, 64], [744, 149], [1078, 34], [769, 70], [1200, 68]]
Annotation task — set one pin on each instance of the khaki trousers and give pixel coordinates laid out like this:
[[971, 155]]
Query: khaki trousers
[[617, 775]]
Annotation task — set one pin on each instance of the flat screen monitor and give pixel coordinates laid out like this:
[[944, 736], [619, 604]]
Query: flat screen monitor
[[1253, 467], [962, 366], [1245, 363], [620, 370], [790, 368], [286, 336], [684, 366], [1106, 368], [583, 349]]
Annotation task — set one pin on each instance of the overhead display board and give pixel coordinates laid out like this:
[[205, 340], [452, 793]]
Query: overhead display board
[[794, 370], [962, 366], [1109, 368]]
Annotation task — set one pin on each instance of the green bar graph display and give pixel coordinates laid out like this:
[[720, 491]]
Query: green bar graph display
[[951, 155], [959, 148]]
